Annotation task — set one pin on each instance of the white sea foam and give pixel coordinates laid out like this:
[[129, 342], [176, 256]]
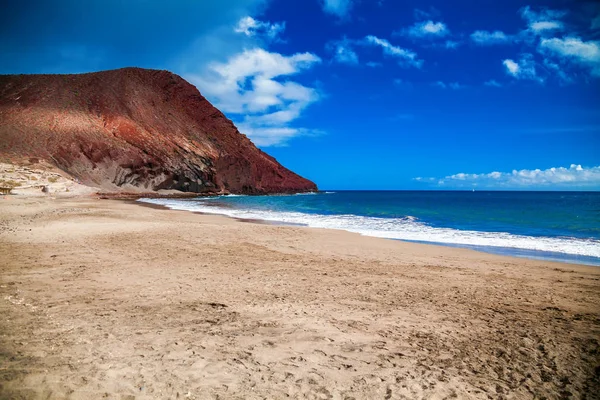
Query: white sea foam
[[408, 228]]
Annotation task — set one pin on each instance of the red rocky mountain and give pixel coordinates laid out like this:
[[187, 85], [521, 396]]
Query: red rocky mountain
[[134, 129]]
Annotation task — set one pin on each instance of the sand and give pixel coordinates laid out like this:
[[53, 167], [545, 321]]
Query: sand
[[111, 299]]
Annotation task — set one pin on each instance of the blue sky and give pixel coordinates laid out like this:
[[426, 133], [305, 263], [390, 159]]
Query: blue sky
[[362, 94]]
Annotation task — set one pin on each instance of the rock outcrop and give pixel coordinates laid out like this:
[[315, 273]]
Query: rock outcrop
[[134, 129]]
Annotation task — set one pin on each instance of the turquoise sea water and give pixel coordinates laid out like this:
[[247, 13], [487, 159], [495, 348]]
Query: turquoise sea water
[[562, 226]]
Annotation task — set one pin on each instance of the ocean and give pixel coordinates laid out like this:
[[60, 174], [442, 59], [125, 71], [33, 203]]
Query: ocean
[[559, 226]]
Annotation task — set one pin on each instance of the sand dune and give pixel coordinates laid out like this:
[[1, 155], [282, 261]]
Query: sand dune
[[109, 299]]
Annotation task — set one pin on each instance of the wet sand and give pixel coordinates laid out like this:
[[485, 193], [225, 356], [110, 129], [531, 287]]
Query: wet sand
[[109, 299]]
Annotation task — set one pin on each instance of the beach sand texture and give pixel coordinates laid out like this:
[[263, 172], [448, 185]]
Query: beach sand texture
[[110, 299]]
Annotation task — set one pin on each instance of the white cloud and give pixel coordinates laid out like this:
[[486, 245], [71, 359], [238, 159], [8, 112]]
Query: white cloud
[[265, 135], [246, 25], [558, 54], [524, 69], [543, 20], [511, 67], [576, 50], [485, 38], [545, 26], [561, 56], [252, 27], [405, 56], [339, 8], [258, 89], [343, 52], [543, 14], [428, 29], [248, 83], [575, 176]]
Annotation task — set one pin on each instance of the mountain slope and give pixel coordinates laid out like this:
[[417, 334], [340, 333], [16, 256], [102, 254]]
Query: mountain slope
[[134, 129]]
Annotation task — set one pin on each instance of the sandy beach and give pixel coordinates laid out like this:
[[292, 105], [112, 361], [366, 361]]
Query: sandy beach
[[112, 299]]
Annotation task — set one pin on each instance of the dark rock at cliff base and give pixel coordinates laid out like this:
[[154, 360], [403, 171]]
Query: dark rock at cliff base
[[134, 129]]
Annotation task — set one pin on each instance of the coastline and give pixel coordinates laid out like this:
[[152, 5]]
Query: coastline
[[573, 254], [110, 297]]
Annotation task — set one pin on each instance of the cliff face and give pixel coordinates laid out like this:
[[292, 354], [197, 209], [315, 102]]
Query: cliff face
[[134, 129]]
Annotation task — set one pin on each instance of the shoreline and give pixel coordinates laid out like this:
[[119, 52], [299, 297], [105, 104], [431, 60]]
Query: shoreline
[[527, 254], [521, 253], [107, 298]]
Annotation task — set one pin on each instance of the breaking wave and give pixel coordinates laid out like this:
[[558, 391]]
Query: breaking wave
[[407, 228]]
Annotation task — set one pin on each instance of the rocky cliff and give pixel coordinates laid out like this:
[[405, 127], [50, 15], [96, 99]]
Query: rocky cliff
[[134, 129]]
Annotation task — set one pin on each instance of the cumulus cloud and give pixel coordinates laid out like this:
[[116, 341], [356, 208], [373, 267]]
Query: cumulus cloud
[[576, 50], [562, 54], [523, 69], [558, 54], [403, 55], [266, 135], [486, 38], [574, 176], [339, 8], [544, 33], [511, 67], [428, 29], [252, 27], [260, 90], [250, 84]]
